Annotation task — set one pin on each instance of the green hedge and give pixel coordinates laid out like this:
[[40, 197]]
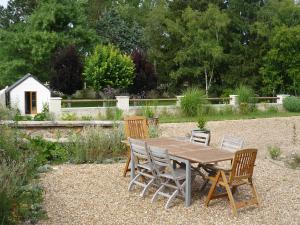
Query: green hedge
[[292, 104]]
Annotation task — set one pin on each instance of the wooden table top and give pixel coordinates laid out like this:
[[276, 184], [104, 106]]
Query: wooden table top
[[190, 151]]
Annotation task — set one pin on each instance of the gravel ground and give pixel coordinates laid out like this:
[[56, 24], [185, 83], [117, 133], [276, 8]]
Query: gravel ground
[[97, 194]]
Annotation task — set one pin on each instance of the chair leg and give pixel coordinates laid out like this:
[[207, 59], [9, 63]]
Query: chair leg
[[147, 187], [175, 193], [126, 168], [157, 192], [212, 189], [229, 193], [133, 181], [254, 192]]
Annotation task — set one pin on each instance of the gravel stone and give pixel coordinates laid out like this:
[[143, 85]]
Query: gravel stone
[[97, 193]]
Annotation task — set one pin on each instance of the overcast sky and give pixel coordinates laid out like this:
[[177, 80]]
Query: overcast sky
[[3, 2]]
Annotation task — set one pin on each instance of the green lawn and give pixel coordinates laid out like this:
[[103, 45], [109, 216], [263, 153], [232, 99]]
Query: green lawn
[[218, 117]]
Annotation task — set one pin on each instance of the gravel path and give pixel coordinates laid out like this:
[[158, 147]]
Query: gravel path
[[97, 194], [283, 132]]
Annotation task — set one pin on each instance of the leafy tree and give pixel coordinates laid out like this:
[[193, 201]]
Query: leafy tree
[[67, 71], [16, 11], [114, 29], [201, 51], [29, 46], [281, 70], [145, 78], [108, 67]]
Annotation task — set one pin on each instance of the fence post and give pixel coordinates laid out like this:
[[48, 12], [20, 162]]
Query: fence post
[[234, 101], [178, 102], [123, 102], [55, 106], [281, 98]]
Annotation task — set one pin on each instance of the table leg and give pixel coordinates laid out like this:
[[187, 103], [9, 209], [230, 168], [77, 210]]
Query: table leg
[[188, 184], [132, 166]]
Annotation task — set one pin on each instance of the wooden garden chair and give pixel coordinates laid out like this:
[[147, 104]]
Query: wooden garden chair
[[231, 144], [145, 170], [135, 127], [240, 174], [172, 179], [199, 138]]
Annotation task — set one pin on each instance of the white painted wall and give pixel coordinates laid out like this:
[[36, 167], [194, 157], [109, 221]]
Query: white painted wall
[[17, 95], [2, 97]]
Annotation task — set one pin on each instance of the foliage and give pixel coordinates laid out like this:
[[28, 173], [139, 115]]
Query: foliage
[[192, 100], [29, 46], [281, 70], [44, 115], [49, 151], [145, 77], [246, 99], [274, 152], [115, 29], [201, 123], [114, 114], [95, 144], [7, 113], [87, 118], [292, 104], [20, 198], [148, 111], [107, 66], [67, 71], [69, 116], [294, 161], [154, 131]]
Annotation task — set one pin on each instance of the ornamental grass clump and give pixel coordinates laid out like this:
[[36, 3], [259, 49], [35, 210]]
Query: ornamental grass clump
[[192, 102], [96, 144], [292, 104], [246, 99]]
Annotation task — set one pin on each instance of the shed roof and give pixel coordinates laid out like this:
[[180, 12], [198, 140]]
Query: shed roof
[[21, 81]]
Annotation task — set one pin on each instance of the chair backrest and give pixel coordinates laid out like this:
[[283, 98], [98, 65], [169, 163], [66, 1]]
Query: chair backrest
[[139, 149], [199, 138], [243, 165], [231, 144], [136, 127], [160, 158]]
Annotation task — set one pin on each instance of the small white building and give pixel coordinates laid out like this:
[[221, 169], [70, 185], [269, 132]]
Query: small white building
[[28, 95]]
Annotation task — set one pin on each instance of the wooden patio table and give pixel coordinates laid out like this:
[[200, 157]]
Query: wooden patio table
[[186, 152]]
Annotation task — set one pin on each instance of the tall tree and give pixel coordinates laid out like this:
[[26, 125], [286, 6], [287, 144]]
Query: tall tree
[[115, 29], [67, 69], [29, 46]]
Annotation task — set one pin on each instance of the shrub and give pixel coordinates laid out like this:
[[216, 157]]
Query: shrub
[[148, 111], [107, 66], [44, 115], [69, 116], [114, 114], [87, 118], [192, 101], [201, 123], [274, 152], [19, 199], [49, 151], [292, 104], [246, 98], [272, 109], [96, 144], [154, 131], [6, 113]]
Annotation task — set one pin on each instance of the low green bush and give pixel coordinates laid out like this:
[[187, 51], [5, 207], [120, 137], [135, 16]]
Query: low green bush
[[192, 101], [114, 113], [274, 152], [292, 104], [44, 115], [95, 144], [69, 117], [50, 151], [20, 198], [148, 111]]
